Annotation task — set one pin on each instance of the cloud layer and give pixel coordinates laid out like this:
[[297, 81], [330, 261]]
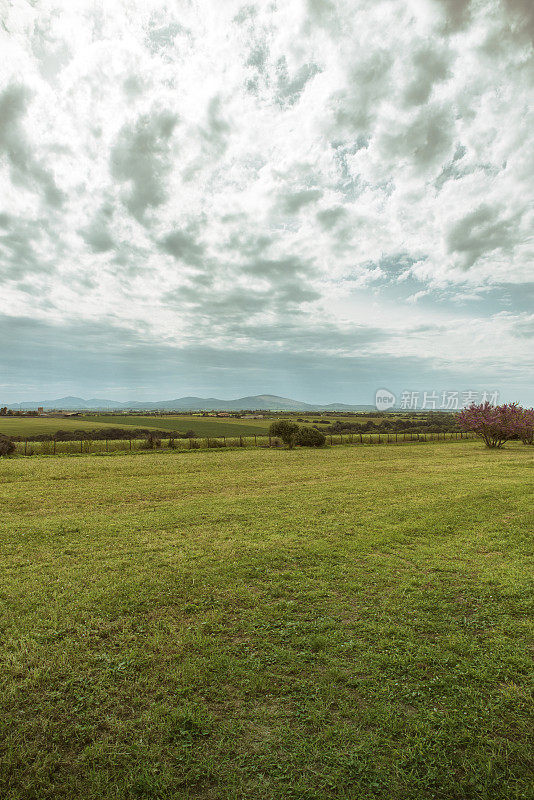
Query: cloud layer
[[284, 191]]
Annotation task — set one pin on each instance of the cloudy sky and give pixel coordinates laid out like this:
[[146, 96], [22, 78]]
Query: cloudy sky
[[311, 198]]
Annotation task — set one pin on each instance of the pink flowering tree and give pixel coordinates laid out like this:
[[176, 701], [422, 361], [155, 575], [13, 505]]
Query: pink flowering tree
[[498, 424], [527, 427]]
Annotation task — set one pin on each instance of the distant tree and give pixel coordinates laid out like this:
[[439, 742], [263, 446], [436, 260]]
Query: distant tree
[[190, 434], [496, 424], [309, 437], [285, 430]]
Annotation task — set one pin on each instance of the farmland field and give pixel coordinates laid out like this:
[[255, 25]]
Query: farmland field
[[35, 426], [348, 623], [203, 426]]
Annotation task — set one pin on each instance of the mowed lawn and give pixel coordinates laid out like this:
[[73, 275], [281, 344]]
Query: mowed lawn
[[340, 623]]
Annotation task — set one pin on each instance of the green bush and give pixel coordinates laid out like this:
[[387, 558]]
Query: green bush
[[285, 430], [310, 437]]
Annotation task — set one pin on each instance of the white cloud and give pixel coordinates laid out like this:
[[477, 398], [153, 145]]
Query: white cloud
[[183, 171]]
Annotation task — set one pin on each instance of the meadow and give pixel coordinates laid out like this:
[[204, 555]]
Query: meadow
[[36, 426], [268, 624], [203, 426]]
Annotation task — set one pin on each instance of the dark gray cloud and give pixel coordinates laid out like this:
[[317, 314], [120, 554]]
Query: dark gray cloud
[[430, 66], [216, 130], [329, 217], [183, 246], [293, 202], [457, 13], [26, 248], [141, 157], [278, 268], [97, 234], [369, 82], [522, 14], [479, 233], [26, 170], [425, 140]]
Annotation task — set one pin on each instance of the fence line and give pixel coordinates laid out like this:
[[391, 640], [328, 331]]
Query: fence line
[[73, 446]]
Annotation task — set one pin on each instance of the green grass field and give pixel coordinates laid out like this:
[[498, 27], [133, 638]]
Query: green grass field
[[348, 623], [35, 426], [203, 426]]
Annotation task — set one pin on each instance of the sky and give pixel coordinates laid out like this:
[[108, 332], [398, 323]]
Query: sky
[[308, 198]]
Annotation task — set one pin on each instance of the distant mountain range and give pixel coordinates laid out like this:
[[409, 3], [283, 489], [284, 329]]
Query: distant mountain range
[[259, 402]]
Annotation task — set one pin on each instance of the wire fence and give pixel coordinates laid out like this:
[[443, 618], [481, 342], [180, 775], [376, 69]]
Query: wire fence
[[81, 446]]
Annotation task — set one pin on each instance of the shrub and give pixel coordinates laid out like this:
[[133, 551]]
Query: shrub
[[7, 446], [190, 434], [496, 424], [310, 437], [285, 430]]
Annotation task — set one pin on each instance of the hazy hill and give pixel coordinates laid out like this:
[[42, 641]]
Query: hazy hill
[[259, 402]]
